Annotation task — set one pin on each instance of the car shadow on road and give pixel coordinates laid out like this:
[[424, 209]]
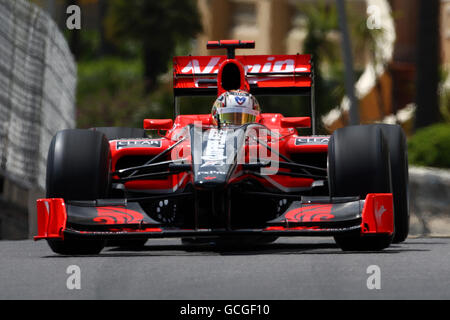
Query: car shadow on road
[[326, 248], [177, 249]]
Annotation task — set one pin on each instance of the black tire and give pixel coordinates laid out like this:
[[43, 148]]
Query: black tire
[[78, 165], [358, 164], [398, 154], [78, 169], [76, 247], [113, 133]]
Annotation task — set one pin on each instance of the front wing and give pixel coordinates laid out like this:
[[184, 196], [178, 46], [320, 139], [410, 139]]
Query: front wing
[[114, 219]]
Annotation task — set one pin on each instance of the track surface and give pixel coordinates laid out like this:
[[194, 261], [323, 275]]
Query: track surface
[[291, 268]]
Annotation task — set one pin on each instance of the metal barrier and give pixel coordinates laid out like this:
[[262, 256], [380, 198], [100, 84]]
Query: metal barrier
[[37, 90]]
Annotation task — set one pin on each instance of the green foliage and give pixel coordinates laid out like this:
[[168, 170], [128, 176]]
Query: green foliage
[[157, 26], [444, 104], [430, 146], [108, 73], [159, 105], [89, 43], [123, 89], [111, 92], [364, 40], [321, 21], [149, 21]]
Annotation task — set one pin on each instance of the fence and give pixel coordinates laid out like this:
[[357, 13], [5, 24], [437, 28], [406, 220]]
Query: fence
[[37, 90]]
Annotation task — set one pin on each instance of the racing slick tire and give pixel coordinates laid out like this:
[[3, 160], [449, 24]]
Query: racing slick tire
[[113, 133], [398, 155], [78, 169], [358, 164]]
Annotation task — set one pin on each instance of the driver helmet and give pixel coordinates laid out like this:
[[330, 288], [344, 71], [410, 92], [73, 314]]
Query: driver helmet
[[235, 107]]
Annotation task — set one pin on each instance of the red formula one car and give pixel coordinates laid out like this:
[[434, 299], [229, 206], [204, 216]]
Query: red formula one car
[[233, 175]]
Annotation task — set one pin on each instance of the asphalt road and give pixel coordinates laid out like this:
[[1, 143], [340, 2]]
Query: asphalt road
[[291, 268]]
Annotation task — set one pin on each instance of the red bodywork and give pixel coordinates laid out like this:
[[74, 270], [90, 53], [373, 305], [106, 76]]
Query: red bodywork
[[198, 75]]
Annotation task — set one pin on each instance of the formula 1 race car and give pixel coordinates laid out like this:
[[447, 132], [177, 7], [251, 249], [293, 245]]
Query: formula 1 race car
[[235, 175]]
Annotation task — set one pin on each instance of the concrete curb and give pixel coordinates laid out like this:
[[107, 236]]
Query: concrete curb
[[429, 201]]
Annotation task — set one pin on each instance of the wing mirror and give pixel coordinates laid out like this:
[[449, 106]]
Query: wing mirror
[[296, 122], [158, 124]]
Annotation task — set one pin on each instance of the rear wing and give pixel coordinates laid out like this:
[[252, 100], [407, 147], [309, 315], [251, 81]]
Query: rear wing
[[265, 74], [257, 74]]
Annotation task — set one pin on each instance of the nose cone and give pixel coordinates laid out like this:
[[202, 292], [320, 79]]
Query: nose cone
[[212, 174], [214, 156], [210, 180]]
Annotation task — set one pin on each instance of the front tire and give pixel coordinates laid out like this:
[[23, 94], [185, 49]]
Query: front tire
[[78, 169], [114, 133], [359, 164], [398, 155]]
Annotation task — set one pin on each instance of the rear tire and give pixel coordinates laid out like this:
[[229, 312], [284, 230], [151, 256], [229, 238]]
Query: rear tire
[[358, 164], [78, 169]]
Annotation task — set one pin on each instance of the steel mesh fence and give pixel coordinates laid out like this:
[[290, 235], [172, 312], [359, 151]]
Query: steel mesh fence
[[37, 90]]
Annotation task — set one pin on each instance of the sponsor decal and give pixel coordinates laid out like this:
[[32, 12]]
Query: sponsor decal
[[211, 164], [240, 100], [193, 66], [211, 172], [239, 93], [148, 143], [312, 140], [214, 152], [310, 213], [117, 215], [379, 212], [271, 64]]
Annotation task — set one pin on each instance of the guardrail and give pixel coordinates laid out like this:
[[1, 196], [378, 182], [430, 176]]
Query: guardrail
[[429, 201], [37, 98], [37, 90]]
